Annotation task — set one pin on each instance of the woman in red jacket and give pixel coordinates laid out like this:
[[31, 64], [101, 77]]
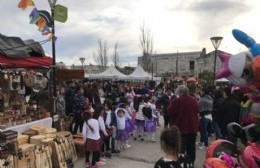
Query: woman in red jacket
[[183, 113]]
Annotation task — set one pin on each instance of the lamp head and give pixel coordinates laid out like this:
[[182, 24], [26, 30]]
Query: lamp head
[[216, 41]]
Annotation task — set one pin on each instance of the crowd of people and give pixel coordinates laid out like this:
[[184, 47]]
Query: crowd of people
[[109, 113]]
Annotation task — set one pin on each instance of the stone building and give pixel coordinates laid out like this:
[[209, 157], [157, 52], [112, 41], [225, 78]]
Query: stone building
[[181, 63]]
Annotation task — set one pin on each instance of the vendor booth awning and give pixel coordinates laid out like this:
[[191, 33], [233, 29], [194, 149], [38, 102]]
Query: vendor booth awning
[[27, 62]]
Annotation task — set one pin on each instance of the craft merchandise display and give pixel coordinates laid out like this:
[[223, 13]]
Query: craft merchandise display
[[15, 109], [39, 147], [242, 70]]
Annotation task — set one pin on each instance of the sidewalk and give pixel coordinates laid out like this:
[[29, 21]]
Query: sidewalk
[[141, 155]]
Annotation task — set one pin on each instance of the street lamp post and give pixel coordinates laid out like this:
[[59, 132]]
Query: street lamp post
[[52, 5], [215, 42], [82, 60]]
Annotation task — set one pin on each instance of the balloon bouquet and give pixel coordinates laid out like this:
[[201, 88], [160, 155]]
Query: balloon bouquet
[[243, 70]]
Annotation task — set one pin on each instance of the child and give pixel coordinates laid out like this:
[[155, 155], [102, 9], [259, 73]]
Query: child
[[129, 127], [155, 111], [121, 134], [150, 126], [139, 121], [170, 144], [110, 122], [91, 136], [99, 110]]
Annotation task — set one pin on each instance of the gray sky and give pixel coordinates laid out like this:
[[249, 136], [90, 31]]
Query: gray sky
[[183, 25]]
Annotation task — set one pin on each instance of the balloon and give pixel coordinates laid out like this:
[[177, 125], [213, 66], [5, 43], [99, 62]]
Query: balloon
[[250, 156], [256, 68], [220, 146], [215, 163], [248, 41], [237, 68]]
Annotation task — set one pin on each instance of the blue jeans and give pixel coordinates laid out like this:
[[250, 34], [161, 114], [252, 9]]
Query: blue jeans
[[217, 130], [204, 122]]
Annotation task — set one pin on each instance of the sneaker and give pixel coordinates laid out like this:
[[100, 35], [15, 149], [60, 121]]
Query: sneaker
[[108, 155], [122, 147], [127, 146], [87, 164], [115, 151], [199, 143], [153, 140], [94, 166], [102, 159], [202, 147], [100, 163]]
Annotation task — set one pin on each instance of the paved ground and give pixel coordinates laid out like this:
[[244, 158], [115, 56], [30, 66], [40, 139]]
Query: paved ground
[[140, 155]]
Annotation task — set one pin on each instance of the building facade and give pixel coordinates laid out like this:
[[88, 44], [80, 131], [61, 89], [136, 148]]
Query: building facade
[[181, 63]]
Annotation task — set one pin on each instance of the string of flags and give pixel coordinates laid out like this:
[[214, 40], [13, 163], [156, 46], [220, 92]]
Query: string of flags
[[36, 18]]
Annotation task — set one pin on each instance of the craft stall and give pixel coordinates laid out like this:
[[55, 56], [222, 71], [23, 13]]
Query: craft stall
[[27, 138]]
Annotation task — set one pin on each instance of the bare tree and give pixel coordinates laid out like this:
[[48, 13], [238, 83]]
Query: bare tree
[[100, 55], [146, 45], [115, 57]]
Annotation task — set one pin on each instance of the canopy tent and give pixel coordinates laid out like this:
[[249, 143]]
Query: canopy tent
[[27, 62], [18, 53], [110, 73], [139, 74]]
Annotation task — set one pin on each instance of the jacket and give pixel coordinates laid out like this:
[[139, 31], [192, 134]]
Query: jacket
[[183, 112], [113, 118]]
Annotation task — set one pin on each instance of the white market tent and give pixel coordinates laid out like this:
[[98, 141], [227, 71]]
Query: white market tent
[[140, 74], [109, 73]]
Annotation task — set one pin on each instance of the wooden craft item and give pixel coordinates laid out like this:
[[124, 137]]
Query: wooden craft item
[[26, 157], [22, 139], [37, 139]]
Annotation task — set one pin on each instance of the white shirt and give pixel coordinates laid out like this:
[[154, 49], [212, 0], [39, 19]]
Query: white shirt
[[108, 119], [139, 114], [86, 131], [121, 120], [102, 125]]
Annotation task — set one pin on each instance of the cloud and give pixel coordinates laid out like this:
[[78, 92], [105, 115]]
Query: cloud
[[212, 17], [176, 25]]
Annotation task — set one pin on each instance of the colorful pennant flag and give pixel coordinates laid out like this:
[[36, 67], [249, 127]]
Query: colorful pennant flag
[[36, 18], [23, 4]]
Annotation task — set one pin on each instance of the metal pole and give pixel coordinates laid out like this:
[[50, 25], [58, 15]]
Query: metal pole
[[152, 71], [214, 70], [177, 62], [53, 54]]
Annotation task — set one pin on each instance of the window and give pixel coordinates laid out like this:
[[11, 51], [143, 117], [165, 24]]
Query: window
[[192, 65]]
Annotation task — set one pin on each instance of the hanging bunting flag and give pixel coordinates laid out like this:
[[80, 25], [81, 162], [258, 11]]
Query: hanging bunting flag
[[42, 19], [52, 37], [47, 17], [34, 16], [23, 4], [40, 23], [45, 30]]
